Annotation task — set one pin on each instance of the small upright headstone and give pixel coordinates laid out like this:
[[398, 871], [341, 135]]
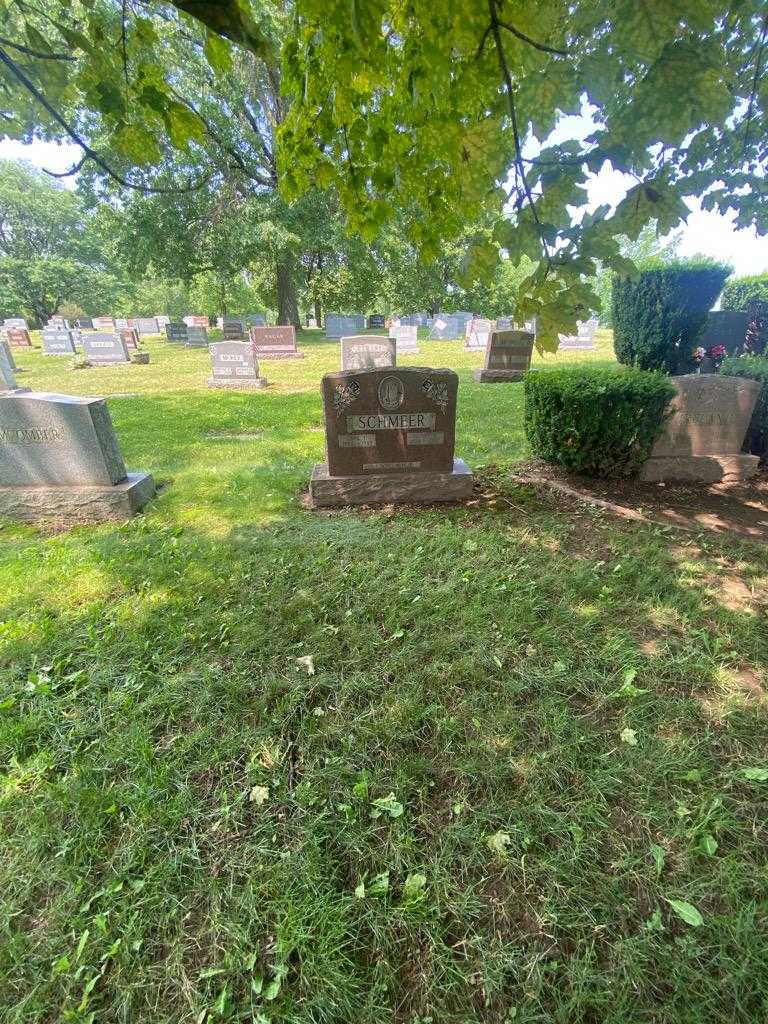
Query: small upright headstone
[[390, 437], [161, 320], [130, 337], [104, 323], [476, 334], [446, 328], [339, 325], [8, 354], [233, 328], [376, 322], [507, 357], [176, 332], [19, 337], [583, 340], [58, 323], [84, 323], [406, 337], [192, 320], [120, 323], [7, 374], [275, 343], [702, 438], [17, 322], [104, 349], [367, 352], [58, 342], [234, 365], [146, 325], [256, 320], [59, 458], [197, 337]]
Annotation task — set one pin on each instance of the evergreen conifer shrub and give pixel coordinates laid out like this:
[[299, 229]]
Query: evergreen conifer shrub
[[595, 421], [659, 314]]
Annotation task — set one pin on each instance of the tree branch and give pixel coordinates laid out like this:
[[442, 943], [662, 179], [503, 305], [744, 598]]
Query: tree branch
[[35, 53], [68, 173], [527, 39], [90, 154]]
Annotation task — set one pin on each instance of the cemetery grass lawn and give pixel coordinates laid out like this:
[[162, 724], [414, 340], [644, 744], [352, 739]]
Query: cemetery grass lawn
[[487, 763]]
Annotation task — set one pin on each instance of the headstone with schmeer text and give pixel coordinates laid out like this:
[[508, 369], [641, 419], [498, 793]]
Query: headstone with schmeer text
[[197, 337], [58, 342], [702, 438], [507, 357], [59, 458], [367, 352], [390, 437], [176, 331], [103, 348], [234, 365], [275, 342]]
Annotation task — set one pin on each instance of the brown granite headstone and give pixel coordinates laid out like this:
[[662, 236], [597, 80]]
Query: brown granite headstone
[[390, 436], [130, 337], [702, 437], [275, 342], [507, 357], [18, 337]]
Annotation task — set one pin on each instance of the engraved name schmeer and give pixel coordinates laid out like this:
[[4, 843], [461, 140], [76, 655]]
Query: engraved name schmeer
[[30, 435], [392, 421]]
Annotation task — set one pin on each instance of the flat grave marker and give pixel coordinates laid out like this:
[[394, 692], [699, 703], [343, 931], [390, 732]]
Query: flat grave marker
[[275, 342], [234, 365], [507, 357], [367, 352], [58, 342], [59, 457], [390, 436], [103, 348]]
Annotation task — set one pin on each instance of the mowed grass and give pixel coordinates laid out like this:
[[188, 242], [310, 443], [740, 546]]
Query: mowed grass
[[476, 763]]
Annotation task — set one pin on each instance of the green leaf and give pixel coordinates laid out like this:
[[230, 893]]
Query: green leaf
[[386, 805], [184, 126], [413, 887], [686, 912], [708, 845], [755, 774], [218, 53], [499, 844], [657, 852]]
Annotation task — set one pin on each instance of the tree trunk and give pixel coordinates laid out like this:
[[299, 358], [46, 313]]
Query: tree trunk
[[287, 300], [318, 313]]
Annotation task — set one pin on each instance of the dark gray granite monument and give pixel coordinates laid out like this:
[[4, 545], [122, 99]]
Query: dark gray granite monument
[[507, 357], [59, 458], [390, 437], [367, 352], [57, 341], [233, 328], [104, 349], [8, 372], [234, 365], [176, 331], [376, 322], [337, 325], [702, 438]]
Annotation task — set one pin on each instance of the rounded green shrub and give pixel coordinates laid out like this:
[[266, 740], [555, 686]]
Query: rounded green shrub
[[754, 368], [741, 290], [659, 314], [599, 422]]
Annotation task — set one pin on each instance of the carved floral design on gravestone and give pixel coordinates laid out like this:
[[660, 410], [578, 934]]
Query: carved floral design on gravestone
[[438, 393], [344, 395]]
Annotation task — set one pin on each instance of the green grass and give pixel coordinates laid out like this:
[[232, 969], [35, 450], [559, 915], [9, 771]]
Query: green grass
[[187, 818]]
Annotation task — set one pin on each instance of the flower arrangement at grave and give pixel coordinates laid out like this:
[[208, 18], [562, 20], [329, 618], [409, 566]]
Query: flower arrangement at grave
[[708, 360]]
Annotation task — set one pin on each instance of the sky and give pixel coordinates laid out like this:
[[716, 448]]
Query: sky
[[709, 233]]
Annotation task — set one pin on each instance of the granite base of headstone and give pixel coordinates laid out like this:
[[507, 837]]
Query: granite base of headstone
[[234, 366], [703, 436], [275, 342], [59, 459], [367, 352], [507, 357], [390, 437]]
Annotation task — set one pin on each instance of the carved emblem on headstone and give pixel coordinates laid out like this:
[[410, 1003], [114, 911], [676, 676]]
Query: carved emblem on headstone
[[438, 393], [391, 393], [344, 395]]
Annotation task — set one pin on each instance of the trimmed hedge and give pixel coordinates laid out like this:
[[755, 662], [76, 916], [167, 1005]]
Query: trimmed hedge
[[741, 290], [659, 314], [755, 368], [599, 422]]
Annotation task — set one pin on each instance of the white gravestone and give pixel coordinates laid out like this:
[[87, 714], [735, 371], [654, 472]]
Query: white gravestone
[[367, 352], [405, 336]]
